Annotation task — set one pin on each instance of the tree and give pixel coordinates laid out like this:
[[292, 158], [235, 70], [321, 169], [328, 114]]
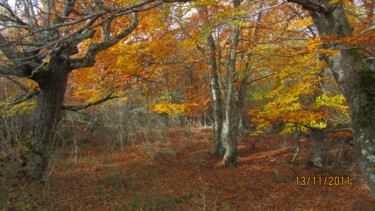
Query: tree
[[39, 40], [232, 32], [354, 74], [227, 100]]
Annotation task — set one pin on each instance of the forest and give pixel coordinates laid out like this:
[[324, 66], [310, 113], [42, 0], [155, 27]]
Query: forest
[[187, 105]]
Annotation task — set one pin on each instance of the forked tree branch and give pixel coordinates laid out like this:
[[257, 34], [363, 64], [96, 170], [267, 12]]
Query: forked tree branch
[[29, 95]]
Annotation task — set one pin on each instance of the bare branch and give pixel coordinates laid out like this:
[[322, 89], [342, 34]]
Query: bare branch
[[34, 42], [20, 70], [260, 78], [335, 130], [67, 9], [106, 98], [16, 82], [6, 6], [9, 52], [95, 48], [281, 55], [201, 49], [24, 98], [371, 28], [171, 1]]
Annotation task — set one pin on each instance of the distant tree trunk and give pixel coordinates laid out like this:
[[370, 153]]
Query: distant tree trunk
[[318, 151], [355, 79], [297, 142], [217, 117], [52, 85]]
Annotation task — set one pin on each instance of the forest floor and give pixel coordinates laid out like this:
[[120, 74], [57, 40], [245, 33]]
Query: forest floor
[[183, 175]]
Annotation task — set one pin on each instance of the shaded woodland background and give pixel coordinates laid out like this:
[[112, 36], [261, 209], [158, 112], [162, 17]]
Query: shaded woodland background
[[186, 105]]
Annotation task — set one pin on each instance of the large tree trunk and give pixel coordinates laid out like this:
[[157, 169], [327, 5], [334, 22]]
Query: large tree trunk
[[217, 147], [355, 79], [231, 130], [238, 109], [357, 84], [50, 100], [227, 135], [217, 116]]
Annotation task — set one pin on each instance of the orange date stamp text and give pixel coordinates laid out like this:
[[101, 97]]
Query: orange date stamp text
[[323, 181]]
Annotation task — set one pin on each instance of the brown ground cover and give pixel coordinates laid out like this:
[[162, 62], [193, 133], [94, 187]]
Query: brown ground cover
[[183, 175]]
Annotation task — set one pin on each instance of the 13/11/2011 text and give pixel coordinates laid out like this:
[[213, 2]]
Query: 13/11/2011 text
[[323, 181]]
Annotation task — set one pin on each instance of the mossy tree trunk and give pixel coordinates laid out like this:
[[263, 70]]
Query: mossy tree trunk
[[354, 77]]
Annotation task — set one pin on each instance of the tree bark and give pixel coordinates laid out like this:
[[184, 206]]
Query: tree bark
[[318, 151], [215, 96], [52, 85], [297, 142], [355, 79], [227, 135], [238, 109]]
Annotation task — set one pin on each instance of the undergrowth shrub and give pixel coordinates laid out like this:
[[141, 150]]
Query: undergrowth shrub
[[165, 155], [20, 194], [117, 124], [123, 123], [17, 161], [15, 123]]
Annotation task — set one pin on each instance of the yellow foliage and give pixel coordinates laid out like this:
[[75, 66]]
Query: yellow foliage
[[21, 108], [256, 133], [303, 22], [170, 108], [329, 52], [334, 1], [289, 128], [317, 124]]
